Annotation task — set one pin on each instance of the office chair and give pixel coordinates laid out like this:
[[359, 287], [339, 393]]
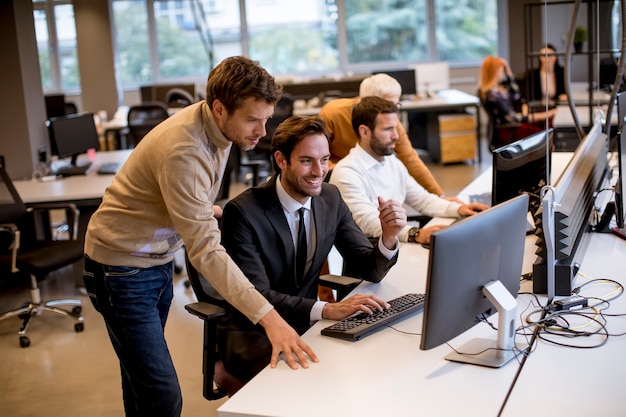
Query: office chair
[[22, 250], [71, 107], [177, 97], [217, 382], [499, 134], [143, 117]]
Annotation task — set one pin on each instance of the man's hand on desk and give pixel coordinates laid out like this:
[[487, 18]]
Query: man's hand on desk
[[359, 302], [285, 339]]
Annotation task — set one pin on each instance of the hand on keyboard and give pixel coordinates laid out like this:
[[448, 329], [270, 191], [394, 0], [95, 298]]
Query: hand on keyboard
[[367, 304], [360, 325]]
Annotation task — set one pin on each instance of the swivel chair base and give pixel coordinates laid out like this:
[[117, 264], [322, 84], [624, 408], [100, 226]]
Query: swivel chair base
[[35, 307]]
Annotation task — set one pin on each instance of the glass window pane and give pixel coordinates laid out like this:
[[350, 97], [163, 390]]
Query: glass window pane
[[41, 34], [386, 30], [66, 37], [193, 36], [132, 44], [293, 37], [467, 30]]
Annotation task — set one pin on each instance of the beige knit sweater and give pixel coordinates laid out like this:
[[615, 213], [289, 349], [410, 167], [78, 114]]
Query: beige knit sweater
[[162, 196]]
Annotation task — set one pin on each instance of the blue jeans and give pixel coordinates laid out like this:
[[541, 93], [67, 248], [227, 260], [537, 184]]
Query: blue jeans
[[134, 303]]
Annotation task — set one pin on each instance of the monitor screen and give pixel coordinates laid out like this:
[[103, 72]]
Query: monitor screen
[[406, 78], [432, 77], [72, 135], [620, 185], [55, 105], [522, 167], [488, 250]]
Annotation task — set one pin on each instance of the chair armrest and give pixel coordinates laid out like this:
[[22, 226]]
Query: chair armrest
[[343, 284], [71, 212], [206, 311], [12, 229]]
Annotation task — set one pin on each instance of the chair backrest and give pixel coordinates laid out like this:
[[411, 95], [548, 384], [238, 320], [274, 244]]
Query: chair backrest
[[201, 287], [177, 97], [12, 208], [143, 117], [71, 107]]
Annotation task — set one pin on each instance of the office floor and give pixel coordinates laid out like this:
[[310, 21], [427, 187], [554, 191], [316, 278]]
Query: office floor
[[77, 374]]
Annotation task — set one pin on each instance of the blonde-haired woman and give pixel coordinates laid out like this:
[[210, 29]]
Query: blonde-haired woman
[[501, 99]]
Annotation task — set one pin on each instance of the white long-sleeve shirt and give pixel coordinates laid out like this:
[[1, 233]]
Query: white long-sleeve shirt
[[361, 179]]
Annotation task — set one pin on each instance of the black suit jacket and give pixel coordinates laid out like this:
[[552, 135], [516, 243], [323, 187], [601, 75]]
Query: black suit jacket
[[256, 235]]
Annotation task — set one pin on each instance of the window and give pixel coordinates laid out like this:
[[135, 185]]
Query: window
[[181, 40], [55, 31], [386, 31]]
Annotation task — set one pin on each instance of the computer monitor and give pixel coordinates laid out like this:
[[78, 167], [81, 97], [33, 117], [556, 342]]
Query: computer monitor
[[432, 77], [406, 78], [72, 135], [522, 167], [488, 250], [620, 185], [55, 105], [567, 212]]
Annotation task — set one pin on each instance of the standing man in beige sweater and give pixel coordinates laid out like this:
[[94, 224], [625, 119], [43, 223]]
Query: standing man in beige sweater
[[161, 199]]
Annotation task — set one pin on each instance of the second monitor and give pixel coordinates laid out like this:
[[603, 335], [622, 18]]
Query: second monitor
[[488, 250]]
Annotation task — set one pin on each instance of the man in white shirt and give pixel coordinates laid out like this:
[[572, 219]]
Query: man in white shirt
[[371, 170]]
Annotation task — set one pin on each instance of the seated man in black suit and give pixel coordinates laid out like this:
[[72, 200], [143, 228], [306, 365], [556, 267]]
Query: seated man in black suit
[[260, 230]]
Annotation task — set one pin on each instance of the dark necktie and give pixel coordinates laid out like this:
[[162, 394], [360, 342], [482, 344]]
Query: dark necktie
[[301, 249]]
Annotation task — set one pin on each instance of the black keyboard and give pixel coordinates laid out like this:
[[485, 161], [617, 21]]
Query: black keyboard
[[71, 170], [108, 168], [360, 325]]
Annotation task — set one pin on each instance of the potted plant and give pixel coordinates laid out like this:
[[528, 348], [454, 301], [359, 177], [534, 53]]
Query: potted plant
[[580, 36]]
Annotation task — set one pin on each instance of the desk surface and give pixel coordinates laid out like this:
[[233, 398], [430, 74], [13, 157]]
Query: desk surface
[[74, 188], [387, 373], [563, 117]]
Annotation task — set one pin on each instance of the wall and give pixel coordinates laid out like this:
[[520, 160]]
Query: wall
[[22, 108]]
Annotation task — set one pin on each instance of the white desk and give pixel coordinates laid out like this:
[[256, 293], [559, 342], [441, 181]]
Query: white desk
[[386, 373], [563, 117], [562, 381], [382, 374], [75, 188]]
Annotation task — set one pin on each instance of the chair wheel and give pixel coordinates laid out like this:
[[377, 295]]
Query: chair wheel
[[79, 327], [24, 341], [77, 310]]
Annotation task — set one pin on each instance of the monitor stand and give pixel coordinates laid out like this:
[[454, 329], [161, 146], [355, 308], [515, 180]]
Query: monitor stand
[[489, 352]]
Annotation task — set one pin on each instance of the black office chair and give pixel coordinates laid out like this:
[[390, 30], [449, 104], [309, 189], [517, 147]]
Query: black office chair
[[142, 118], [177, 97], [71, 107], [217, 382], [499, 134], [23, 250]]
